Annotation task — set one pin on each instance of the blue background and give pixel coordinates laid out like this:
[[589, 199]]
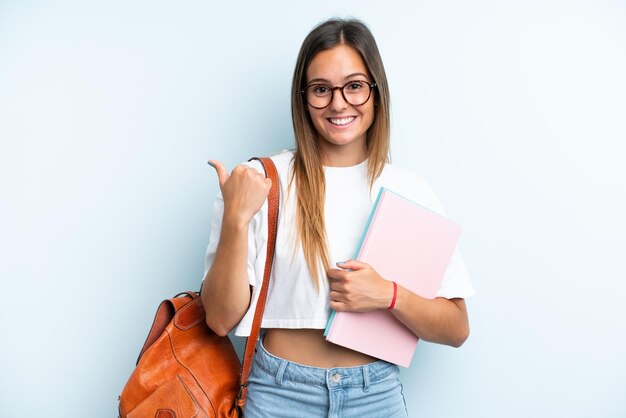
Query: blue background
[[514, 111]]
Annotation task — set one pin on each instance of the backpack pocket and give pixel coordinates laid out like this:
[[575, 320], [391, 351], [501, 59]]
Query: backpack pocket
[[171, 400]]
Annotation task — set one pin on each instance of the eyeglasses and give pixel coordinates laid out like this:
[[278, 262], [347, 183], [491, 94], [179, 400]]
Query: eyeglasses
[[355, 92]]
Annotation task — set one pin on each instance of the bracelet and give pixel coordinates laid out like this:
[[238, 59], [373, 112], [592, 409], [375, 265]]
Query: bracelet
[[395, 296]]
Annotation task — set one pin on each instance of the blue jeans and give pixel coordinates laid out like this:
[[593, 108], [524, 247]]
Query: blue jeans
[[280, 388]]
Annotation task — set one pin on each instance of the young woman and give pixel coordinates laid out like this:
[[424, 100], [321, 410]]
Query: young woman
[[340, 110]]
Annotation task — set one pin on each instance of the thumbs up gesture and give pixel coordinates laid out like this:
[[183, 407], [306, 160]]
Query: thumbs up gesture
[[244, 191]]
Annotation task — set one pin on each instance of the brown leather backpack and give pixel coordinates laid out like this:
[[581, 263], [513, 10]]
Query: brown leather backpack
[[184, 369]]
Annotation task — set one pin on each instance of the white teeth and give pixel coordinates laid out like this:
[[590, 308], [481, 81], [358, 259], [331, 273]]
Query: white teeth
[[343, 121]]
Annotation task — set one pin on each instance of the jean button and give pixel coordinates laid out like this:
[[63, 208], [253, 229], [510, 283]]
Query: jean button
[[336, 378]]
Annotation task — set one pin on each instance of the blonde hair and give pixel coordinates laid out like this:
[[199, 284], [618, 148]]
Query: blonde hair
[[307, 164]]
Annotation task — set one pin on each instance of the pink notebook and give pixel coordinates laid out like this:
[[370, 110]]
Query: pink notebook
[[411, 245]]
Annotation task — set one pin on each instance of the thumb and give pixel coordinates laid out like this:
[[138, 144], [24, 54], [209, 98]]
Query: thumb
[[222, 173], [353, 265]]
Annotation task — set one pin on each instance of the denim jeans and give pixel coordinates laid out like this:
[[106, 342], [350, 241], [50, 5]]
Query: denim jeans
[[280, 388]]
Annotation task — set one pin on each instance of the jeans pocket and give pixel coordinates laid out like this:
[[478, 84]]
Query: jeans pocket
[[403, 398]]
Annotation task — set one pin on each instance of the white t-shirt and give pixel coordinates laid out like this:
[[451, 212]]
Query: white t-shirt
[[293, 300]]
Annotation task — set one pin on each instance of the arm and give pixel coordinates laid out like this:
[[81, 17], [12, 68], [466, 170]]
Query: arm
[[226, 290], [439, 320]]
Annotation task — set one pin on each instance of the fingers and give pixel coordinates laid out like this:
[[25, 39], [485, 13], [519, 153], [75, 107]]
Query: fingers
[[223, 176], [336, 296], [338, 301], [336, 274], [353, 265], [222, 172], [339, 282], [338, 306]]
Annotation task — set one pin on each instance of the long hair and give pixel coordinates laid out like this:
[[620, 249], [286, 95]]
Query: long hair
[[307, 163]]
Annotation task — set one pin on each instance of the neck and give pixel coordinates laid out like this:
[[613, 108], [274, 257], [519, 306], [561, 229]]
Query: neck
[[341, 156]]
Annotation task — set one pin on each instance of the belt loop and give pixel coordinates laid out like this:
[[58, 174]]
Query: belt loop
[[366, 378], [280, 372]]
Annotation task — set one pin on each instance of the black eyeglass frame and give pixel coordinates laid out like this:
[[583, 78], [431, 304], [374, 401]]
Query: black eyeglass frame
[[332, 92]]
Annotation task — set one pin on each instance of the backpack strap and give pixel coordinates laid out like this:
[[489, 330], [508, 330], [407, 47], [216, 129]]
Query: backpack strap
[[272, 203]]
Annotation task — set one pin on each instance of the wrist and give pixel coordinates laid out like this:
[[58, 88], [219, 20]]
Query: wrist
[[394, 296], [234, 222]]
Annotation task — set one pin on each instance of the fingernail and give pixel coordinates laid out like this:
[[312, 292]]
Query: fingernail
[[210, 163]]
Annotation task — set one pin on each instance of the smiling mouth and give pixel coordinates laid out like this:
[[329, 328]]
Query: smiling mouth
[[341, 121]]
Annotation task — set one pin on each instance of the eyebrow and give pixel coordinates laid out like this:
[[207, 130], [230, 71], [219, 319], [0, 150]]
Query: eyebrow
[[323, 80]]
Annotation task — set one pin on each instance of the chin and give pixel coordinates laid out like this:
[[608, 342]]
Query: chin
[[343, 138], [340, 142]]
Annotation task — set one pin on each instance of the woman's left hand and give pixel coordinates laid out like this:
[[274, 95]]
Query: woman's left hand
[[357, 287]]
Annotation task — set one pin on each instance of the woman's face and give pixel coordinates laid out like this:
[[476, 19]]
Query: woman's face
[[342, 127]]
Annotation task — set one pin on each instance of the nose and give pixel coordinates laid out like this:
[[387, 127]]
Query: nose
[[337, 102]]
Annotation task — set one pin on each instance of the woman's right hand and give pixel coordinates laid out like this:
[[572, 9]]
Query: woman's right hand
[[244, 191]]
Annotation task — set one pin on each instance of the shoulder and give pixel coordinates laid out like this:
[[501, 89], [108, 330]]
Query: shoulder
[[282, 160], [411, 185]]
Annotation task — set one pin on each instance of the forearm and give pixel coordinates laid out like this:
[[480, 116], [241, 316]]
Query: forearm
[[226, 290], [437, 320]]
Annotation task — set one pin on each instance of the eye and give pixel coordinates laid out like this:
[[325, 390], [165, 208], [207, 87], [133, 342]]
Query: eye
[[320, 89], [355, 85]]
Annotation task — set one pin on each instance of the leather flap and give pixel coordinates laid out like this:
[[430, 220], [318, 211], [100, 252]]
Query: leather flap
[[189, 315], [164, 315]]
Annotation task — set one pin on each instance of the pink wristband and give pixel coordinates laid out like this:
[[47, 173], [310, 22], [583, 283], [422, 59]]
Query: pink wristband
[[395, 296]]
